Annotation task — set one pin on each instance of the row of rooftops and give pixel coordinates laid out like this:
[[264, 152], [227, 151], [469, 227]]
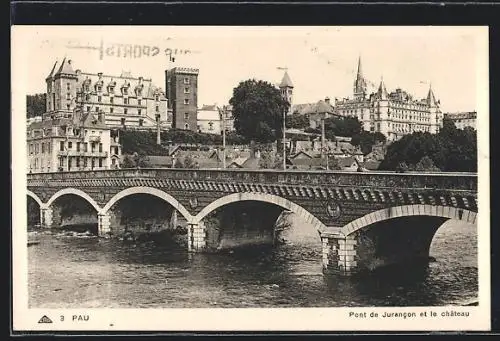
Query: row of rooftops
[[461, 115]]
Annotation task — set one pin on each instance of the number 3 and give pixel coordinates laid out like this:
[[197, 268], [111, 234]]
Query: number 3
[[62, 317]]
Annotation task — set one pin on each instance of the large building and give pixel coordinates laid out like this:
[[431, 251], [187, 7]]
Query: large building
[[125, 101], [82, 142], [182, 95], [393, 114], [212, 118], [463, 119]]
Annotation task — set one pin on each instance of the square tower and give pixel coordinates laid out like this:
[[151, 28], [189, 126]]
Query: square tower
[[182, 97]]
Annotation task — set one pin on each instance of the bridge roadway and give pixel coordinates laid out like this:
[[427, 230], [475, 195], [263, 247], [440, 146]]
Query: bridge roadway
[[357, 214]]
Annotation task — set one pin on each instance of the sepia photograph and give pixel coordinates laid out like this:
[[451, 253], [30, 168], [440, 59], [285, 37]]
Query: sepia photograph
[[244, 169]]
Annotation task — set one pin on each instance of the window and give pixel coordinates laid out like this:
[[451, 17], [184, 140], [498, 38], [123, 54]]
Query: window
[[88, 108], [93, 163], [186, 80], [100, 162], [92, 147], [125, 100], [77, 162], [125, 111], [111, 100], [111, 110], [186, 90], [100, 147], [78, 146], [113, 161], [61, 146], [70, 145], [61, 162], [157, 108], [210, 125], [138, 102], [139, 112], [68, 86], [123, 121], [67, 106], [99, 98], [84, 162], [186, 116], [43, 148], [141, 121], [99, 88], [69, 162], [87, 98], [157, 98], [96, 109], [186, 101], [186, 126], [68, 96], [85, 147]]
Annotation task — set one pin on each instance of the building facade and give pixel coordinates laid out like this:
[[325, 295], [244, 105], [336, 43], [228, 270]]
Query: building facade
[[393, 114], [182, 95], [82, 142], [463, 119], [209, 120], [125, 101]]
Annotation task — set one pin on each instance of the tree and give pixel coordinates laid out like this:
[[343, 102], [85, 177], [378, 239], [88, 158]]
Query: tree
[[451, 150], [258, 109], [189, 162], [297, 121], [343, 126], [127, 162], [366, 140], [35, 105]]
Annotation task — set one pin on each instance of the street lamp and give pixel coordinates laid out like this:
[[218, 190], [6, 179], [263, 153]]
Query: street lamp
[[222, 112], [284, 141]]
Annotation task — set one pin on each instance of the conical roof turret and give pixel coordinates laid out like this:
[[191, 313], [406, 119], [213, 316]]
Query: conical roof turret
[[286, 82]]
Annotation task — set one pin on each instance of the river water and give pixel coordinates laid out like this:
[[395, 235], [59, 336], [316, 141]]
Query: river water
[[84, 271]]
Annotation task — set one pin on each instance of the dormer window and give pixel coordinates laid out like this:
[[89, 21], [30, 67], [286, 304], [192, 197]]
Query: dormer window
[[157, 97]]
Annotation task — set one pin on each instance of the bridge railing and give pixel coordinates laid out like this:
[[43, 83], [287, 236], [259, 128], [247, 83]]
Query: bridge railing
[[455, 181]]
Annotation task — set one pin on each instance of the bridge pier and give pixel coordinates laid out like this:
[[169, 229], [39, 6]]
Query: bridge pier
[[339, 254], [46, 215], [104, 225], [197, 237]]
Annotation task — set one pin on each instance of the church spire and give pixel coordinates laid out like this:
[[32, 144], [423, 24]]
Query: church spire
[[360, 70], [359, 83]]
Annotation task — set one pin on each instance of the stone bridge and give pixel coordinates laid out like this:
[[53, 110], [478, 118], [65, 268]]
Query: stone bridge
[[365, 219]]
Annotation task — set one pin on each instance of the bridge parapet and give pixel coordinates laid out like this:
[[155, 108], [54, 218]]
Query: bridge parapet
[[389, 180]]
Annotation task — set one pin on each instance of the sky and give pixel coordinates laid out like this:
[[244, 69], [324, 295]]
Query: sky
[[321, 61]]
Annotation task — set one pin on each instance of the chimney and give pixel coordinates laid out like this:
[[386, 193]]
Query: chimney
[[99, 75], [327, 100], [69, 61]]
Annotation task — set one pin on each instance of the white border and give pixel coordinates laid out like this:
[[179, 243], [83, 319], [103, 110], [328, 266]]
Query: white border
[[283, 319]]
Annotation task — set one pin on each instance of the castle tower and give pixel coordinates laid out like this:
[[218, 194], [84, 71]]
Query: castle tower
[[182, 97], [50, 95], [64, 89], [359, 83], [286, 88], [434, 111], [382, 97]]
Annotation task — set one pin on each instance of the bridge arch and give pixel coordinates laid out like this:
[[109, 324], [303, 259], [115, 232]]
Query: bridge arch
[[408, 211], [35, 197], [262, 197], [152, 191], [77, 192]]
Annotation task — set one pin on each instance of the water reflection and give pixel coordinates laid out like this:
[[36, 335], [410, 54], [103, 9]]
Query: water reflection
[[83, 271]]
